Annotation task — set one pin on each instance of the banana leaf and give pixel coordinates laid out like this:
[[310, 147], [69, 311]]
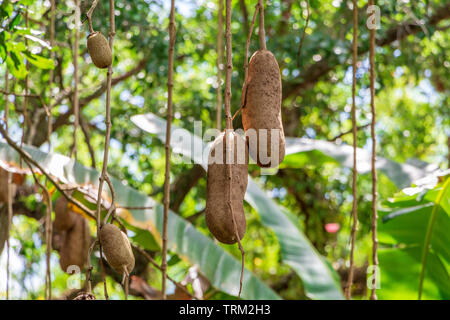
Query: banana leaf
[[402, 232], [300, 151]]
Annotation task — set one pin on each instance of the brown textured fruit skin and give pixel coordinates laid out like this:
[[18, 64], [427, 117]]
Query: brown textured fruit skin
[[218, 213], [75, 247], [262, 105], [99, 50], [117, 248], [4, 187], [64, 217]]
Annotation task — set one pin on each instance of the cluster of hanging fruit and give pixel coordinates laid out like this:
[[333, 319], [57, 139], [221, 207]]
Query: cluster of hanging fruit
[[265, 142]]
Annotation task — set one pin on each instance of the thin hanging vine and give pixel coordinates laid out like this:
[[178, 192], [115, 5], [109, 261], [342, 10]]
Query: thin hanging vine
[[373, 295], [25, 98], [104, 173], [172, 32], [302, 39], [229, 128], [247, 47], [75, 99], [261, 31], [51, 73], [219, 103], [348, 287], [9, 204]]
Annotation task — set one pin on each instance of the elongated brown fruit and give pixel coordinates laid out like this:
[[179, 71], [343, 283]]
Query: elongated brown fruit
[[99, 50], [218, 214], [261, 112], [117, 249], [4, 187], [64, 217], [75, 247]]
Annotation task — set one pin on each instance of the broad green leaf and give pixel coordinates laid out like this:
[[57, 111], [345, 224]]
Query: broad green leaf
[[15, 21], [399, 275], [26, 2], [401, 174], [297, 251], [217, 265], [38, 61], [7, 8], [405, 228], [16, 65]]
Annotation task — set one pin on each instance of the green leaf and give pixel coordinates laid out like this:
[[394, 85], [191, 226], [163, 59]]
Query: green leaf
[[16, 65], [297, 251], [217, 265], [15, 21], [401, 174], [404, 228], [399, 275], [38, 61]]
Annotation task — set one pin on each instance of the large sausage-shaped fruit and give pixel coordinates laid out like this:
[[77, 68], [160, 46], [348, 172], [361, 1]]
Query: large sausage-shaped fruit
[[219, 217], [261, 112]]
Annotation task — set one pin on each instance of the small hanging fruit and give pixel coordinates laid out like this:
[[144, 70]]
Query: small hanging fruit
[[218, 213], [4, 186], [65, 218], [84, 296], [75, 247], [117, 249], [99, 50]]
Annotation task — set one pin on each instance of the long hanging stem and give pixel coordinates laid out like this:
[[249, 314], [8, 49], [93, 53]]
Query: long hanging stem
[[75, 100], [10, 213], [89, 15], [103, 176], [48, 239], [247, 46], [5, 120], [229, 130], [167, 145], [229, 66], [426, 245], [247, 43], [373, 295], [348, 288], [48, 217], [302, 39], [6, 113], [51, 74], [219, 65], [25, 99], [262, 31]]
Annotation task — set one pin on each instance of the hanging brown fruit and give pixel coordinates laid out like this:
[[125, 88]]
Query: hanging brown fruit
[[4, 186], [117, 249], [64, 217], [75, 245], [262, 110], [84, 296], [99, 50], [219, 217]]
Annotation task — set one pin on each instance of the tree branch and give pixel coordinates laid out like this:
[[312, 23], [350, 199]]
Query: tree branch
[[63, 119]]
